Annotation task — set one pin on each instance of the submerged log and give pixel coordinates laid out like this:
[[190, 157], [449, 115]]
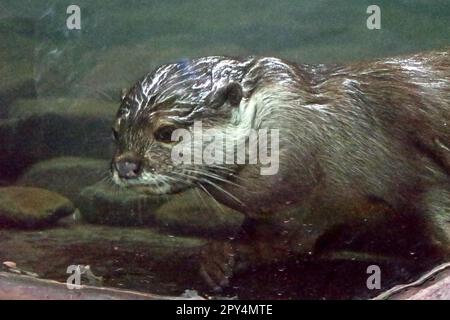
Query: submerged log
[[434, 285], [22, 287]]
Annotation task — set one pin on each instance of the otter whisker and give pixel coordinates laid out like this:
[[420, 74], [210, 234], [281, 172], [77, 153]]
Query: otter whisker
[[171, 178], [181, 174], [207, 206], [199, 181], [226, 171], [209, 194], [214, 176], [221, 167], [106, 178], [222, 190], [99, 92]]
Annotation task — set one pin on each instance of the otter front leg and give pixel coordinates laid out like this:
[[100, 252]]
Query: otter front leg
[[259, 242], [217, 261], [435, 205]]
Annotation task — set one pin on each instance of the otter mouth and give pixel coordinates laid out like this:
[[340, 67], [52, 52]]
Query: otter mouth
[[156, 189], [151, 183]]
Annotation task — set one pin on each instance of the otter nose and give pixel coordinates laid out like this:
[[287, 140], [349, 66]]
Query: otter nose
[[128, 167]]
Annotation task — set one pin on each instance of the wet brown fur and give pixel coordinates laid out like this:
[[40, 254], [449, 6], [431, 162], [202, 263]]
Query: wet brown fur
[[350, 136]]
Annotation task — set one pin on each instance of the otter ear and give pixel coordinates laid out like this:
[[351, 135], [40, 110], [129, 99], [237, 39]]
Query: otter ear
[[231, 93]]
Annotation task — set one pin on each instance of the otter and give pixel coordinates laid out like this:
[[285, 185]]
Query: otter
[[349, 136]]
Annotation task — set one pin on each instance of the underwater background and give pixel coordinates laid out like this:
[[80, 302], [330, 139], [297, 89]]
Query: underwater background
[[59, 92]]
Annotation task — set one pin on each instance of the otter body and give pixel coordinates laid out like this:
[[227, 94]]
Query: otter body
[[352, 135]]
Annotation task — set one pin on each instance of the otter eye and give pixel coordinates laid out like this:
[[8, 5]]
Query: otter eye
[[164, 133], [115, 134]]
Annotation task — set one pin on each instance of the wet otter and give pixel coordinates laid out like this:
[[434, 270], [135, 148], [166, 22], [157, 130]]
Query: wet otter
[[350, 135]]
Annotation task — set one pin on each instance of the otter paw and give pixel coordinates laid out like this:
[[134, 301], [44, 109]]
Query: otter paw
[[216, 264]]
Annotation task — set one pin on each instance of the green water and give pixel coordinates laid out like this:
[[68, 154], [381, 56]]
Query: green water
[[59, 91], [121, 41]]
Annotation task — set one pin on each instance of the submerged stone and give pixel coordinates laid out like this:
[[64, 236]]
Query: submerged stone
[[89, 108], [22, 207], [17, 56], [186, 213], [105, 203], [193, 212], [65, 175], [131, 258], [40, 129]]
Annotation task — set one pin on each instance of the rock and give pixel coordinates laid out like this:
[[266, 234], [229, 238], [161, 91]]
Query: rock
[[105, 203], [195, 213], [65, 175], [131, 258], [43, 129], [10, 264], [8, 151], [148, 261], [13, 91], [17, 56], [183, 214], [67, 107], [22, 207]]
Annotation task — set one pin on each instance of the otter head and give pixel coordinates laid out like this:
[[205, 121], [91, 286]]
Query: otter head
[[172, 98]]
